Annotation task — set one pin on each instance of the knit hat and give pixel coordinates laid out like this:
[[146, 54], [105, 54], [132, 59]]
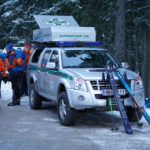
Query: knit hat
[[9, 47]]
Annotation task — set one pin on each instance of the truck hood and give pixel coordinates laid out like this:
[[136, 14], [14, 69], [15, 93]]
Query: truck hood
[[96, 74]]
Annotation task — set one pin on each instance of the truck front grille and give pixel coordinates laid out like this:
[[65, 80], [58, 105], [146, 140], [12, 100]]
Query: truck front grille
[[100, 85], [100, 96]]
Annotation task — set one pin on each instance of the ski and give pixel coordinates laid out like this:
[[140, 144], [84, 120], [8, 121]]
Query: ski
[[120, 105], [124, 82]]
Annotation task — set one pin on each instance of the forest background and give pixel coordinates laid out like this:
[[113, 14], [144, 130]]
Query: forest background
[[123, 26]]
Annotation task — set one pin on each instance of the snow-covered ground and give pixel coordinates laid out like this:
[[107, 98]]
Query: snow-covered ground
[[41, 129], [6, 93]]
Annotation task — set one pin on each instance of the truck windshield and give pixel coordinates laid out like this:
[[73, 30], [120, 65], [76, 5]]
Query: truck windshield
[[87, 59]]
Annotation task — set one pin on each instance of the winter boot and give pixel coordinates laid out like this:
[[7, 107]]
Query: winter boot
[[12, 104]]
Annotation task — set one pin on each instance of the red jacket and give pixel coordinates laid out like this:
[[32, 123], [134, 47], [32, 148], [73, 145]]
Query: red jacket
[[28, 55], [2, 68]]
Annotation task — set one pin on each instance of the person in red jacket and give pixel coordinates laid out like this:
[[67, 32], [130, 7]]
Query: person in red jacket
[[2, 70], [2, 73], [14, 74], [28, 51]]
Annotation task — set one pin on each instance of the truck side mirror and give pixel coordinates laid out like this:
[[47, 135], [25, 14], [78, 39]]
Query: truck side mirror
[[125, 65], [51, 65]]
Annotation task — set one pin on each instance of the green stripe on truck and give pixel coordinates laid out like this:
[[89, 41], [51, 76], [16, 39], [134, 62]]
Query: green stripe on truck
[[57, 73]]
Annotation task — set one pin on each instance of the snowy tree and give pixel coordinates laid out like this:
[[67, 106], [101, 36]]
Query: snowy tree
[[146, 62], [127, 36], [120, 36], [17, 19], [137, 27]]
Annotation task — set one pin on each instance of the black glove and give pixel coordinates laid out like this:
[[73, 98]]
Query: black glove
[[4, 80]]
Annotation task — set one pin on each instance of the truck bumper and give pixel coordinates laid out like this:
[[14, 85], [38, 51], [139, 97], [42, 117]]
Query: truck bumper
[[81, 100]]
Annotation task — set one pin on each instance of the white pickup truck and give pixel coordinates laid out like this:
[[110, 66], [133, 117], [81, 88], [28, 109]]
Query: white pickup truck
[[75, 78], [73, 73]]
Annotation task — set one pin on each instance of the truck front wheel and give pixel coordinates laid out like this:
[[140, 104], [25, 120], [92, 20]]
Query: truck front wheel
[[35, 99], [134, 115], [66, 114]]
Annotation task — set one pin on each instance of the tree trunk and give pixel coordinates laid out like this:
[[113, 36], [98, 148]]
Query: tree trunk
[[146, 64], [120, 38]]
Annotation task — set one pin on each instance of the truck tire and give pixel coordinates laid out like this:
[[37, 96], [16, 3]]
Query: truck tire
[[35, 99], [66, 114], [134, 115]]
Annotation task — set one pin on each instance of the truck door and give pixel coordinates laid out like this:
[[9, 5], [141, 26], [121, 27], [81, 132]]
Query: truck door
[[52, 76], [34, 65], [42, 72]]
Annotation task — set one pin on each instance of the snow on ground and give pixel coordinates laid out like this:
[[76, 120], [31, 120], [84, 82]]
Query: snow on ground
[[6, 93], [92, 129]]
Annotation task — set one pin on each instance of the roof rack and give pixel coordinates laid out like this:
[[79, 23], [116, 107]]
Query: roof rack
[[61, 28], [68, 44]]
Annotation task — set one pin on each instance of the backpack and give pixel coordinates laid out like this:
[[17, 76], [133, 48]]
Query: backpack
[[20, 57]]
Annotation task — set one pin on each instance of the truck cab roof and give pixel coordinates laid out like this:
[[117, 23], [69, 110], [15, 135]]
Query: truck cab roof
[[70, 45]]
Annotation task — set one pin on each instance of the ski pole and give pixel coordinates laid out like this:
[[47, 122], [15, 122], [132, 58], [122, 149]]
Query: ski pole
[[112, 114], [117, 97]]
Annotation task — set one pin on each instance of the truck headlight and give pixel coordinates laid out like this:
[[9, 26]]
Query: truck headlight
[[80, 85], [138, 83]]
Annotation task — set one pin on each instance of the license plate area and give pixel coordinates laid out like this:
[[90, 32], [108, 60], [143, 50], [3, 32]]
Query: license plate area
[[109, 92]]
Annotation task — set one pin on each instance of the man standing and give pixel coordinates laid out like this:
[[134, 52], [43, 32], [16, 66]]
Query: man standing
[[13, 73], [2, 71], [28, 51], [21, 68]]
